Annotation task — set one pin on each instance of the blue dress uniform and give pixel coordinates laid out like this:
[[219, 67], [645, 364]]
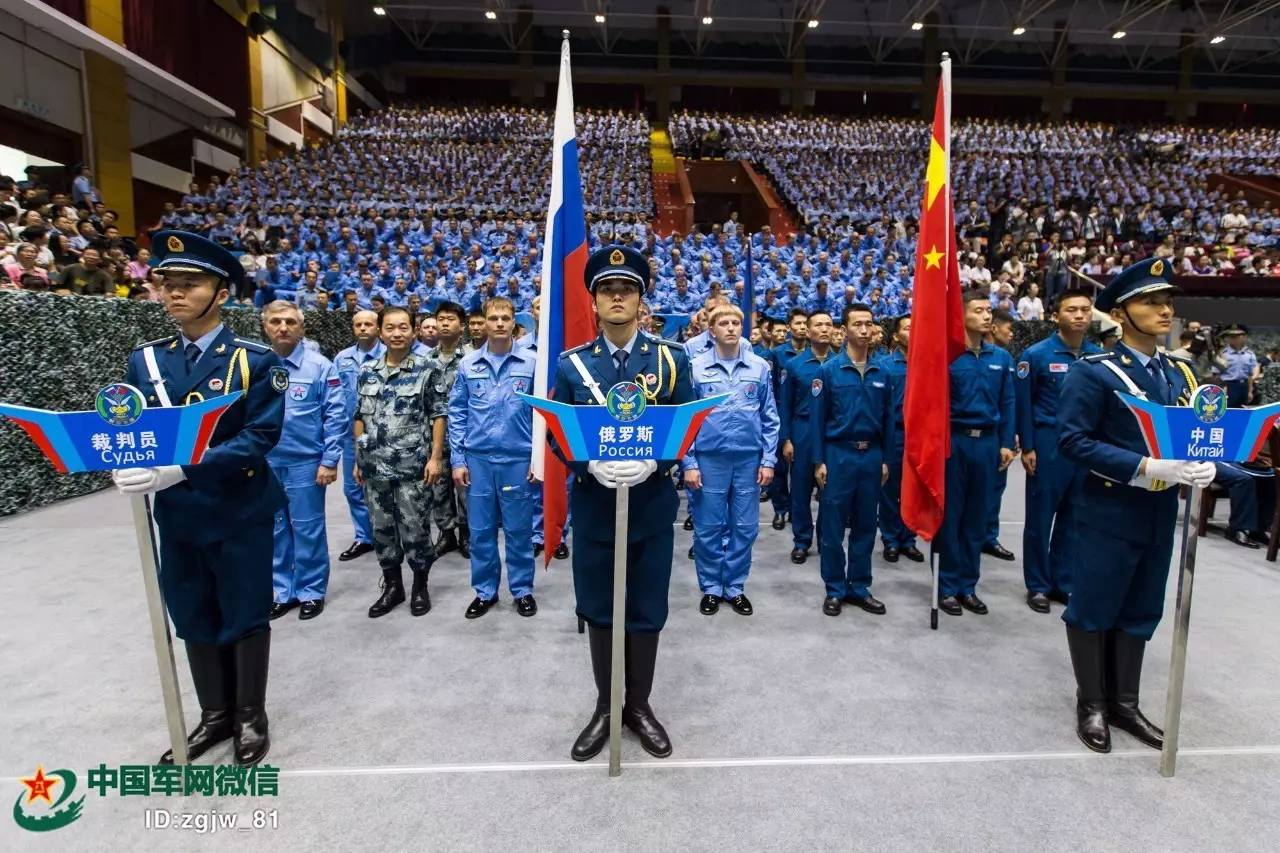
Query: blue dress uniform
[[661, 369], [895, 535], [1055, 488], [982, 422], [739, 437], [490, 433], [215, 526], [794, 403], [315, 420], [780, 488], [1128, 522], [349, 363], [851, 424]]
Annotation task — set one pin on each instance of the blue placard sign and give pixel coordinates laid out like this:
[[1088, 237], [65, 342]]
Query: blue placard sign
[[1206, 430]]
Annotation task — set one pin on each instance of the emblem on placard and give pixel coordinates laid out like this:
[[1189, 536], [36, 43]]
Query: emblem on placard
[[1209, 402], [119, 405], [625, 401]]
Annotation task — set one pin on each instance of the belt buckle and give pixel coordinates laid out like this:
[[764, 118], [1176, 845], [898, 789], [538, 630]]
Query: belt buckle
[[974, 433], [861, 445]]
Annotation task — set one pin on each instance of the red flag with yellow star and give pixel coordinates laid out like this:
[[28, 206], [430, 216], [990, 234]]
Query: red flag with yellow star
[[937, 334]]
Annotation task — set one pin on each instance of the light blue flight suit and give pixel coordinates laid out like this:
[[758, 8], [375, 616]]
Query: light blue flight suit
[[1055, 488], [349, 362], [530, 344], [982, 422], [739, 437], [1240, 364], [491, 434], [315, 419], [893, 533], [851, 424], [794, 402]]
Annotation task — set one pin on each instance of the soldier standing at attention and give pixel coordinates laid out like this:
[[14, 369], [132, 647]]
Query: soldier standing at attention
[[349, 362], [896, 536], [449, 503]]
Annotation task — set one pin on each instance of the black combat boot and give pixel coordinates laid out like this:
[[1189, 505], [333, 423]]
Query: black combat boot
[[392, 593], [596, 734], [213, 671]]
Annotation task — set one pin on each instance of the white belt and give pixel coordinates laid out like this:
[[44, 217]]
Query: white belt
[[587, 378], [149, 356]]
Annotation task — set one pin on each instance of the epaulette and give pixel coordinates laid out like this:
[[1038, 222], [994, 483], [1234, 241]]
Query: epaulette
[[252, 346], [1098, 356], [158, 342], [1181, 358], [579, 348]]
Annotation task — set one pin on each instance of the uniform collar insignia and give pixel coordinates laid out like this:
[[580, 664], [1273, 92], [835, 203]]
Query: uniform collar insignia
[[644, 347], [596, 351], [220, 349], [174, 345], [1125, 360]]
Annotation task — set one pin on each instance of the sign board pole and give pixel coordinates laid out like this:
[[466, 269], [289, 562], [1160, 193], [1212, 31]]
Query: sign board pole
[[1181, 625], [160, 627], [616, 669]]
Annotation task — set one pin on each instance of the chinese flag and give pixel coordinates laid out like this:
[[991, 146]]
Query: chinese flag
[[937, 334]]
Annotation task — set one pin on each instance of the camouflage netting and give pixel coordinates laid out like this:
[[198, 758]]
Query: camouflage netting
[[57, 351]]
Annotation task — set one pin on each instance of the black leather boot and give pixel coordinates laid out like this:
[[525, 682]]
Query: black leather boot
[[642, 656], [1088, 659], [1124, 675], [392, 593], [213, 672], [420, 599], [596, 734], [253, 654]]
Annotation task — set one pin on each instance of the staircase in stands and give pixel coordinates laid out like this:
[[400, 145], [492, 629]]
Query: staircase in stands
[[666, 186]]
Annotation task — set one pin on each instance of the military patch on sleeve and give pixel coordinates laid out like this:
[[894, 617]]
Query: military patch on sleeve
[[1024, 369], [279, 379], [816, 387]]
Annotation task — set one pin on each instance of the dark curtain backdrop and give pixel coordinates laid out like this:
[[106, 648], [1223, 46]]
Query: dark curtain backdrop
[[194, 41], [70, 8]]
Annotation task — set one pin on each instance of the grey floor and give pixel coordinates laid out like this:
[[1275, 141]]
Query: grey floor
[[793, 730]]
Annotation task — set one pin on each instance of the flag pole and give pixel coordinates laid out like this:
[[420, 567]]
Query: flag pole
[[951, 246], [933, 599], [622, 503]]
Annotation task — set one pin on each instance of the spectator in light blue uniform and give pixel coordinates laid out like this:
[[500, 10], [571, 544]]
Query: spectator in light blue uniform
[[368, 348], [306, 461], [732, 457]]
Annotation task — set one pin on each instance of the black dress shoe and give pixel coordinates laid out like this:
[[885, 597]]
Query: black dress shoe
[[479, 607], [709, 604], [831, 606], [741, 605], [650, 733], [690, 552], [799, 555], [562, 553], [1038, 601], [995, 549], [973, 604], [950, 605], [419, 596], [392, 594], [688, 522], [592, 738], [447, 542], [869, 603], [779, 521], [764, 497], [890, 555], [311, 609], [526, 606], [537, 549], [1059, 596], [357, 549], [912, 553], [1260, 536], [1239, 537], [280, 608]]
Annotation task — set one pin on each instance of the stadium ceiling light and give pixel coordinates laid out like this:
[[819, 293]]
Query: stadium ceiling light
[[379, 11], [813, 23], [1017, 31], [707, 20], [1119, 34], [599, 19], [1217, 40], [491, 15], [918, 25]]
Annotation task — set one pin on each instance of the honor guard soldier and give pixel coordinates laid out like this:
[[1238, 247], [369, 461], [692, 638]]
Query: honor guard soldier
[[490, 443], [215, 518], [349, 362], [1053, 482], [1128, 503], [982, 439], [616, 276], [731, 458], [796, 431], [399, 420], [306, 461], [851, 419], [896, 536]]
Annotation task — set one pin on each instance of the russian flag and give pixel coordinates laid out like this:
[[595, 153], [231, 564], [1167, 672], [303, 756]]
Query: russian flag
[[566, 318]]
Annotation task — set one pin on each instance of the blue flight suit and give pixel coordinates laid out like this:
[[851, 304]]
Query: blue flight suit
[[215, 528], [491, 434], [794, 403], [1239, 366], [349, 363], [315, 420], [893, 533], [1129, 529], [983, 420], [1055, 488], [653, 503], [851, 424], [738, 438], [779, 489]]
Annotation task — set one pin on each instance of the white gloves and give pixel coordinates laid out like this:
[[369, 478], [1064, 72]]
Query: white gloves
[[1167, 473], [144, 481], [614, 474]]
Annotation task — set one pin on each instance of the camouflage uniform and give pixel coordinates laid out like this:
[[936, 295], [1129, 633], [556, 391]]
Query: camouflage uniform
[[448, 503], [397, 405]]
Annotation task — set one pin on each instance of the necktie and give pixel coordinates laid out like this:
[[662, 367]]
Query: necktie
[[620, 359], [193, 355], [1162, 383]]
